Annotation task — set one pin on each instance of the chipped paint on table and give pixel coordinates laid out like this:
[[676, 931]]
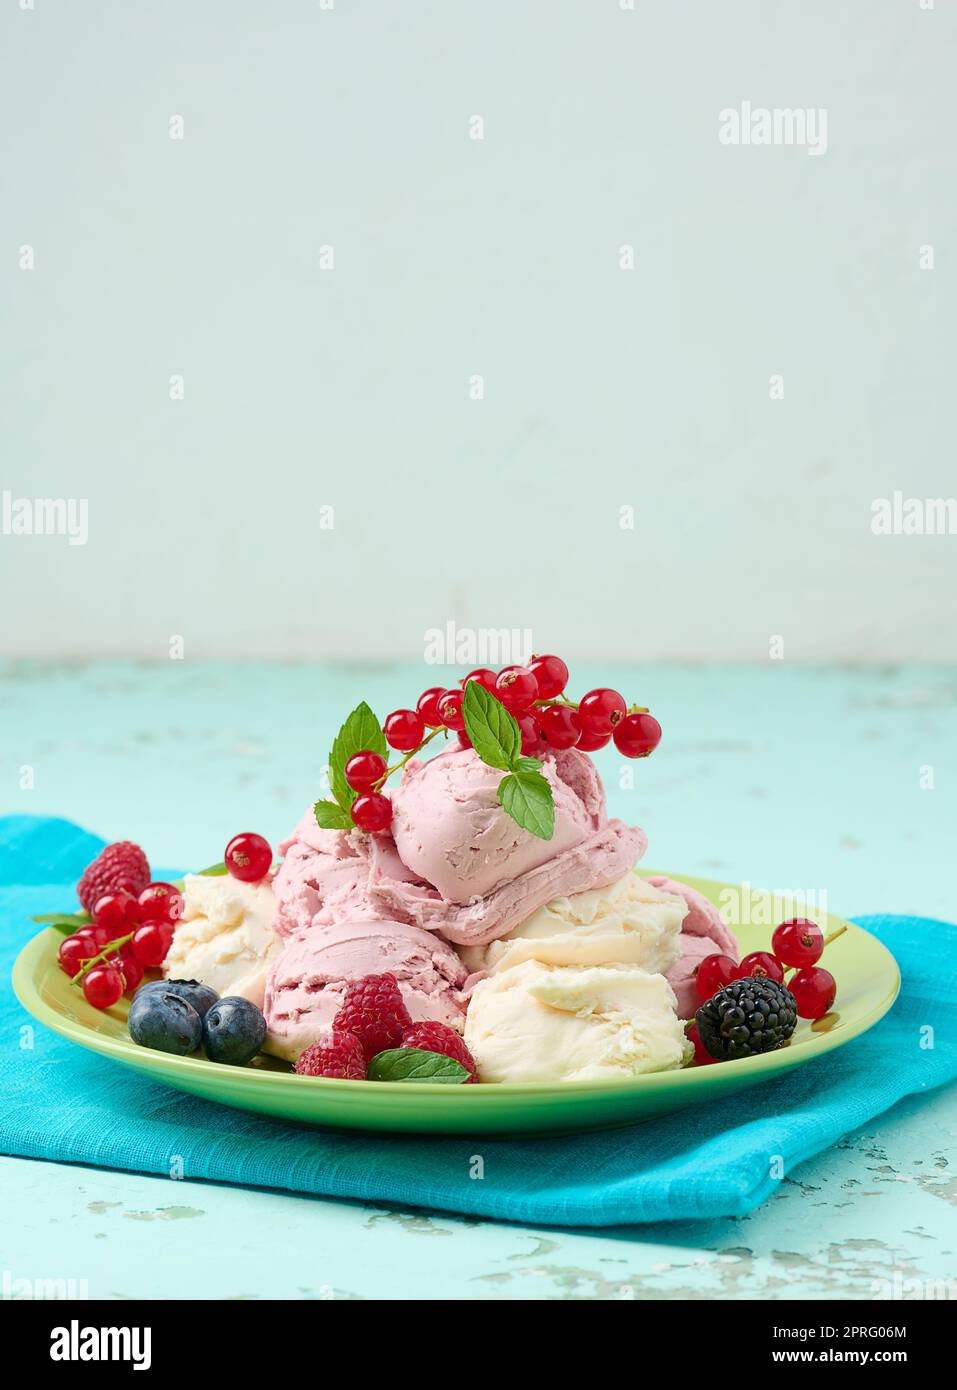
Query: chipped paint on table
[[784, 777]]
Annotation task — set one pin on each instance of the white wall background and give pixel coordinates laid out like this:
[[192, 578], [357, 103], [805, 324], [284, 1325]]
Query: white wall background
[[454, 257]]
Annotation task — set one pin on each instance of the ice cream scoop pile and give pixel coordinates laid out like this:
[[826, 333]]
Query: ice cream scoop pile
[[496, 858], [491, 894]]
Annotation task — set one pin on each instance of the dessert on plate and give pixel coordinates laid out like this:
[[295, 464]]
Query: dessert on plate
[[465, 915]]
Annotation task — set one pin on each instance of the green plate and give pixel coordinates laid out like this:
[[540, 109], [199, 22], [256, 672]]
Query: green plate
[[868, 982]]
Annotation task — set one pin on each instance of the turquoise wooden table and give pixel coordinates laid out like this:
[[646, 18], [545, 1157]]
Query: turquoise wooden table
[[828, 781]]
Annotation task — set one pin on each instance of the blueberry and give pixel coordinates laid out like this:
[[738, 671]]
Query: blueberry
[[164, 1021], [233, 1031], [200, 996]]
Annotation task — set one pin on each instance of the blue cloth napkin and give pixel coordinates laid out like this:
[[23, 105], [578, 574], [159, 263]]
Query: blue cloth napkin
[[59, 1102]]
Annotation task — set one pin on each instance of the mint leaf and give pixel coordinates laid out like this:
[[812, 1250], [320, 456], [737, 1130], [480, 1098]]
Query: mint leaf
[[214, 871], [329, 816], [66, 922], [494, 732], [361, 731], [528, 765], [527, 798], [414, 1064]]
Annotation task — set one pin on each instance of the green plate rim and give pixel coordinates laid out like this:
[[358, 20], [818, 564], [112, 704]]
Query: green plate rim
[[687, 1078]]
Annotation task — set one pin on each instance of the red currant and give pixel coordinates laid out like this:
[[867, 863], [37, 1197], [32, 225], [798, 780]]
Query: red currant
[[74, 950], [372, 812], [131, 966], [248, 857], [551, 674], [760, 965], [484, 676], [798, 942], [532, 741], [103, 986], [701, 1053], [450, 710], [364, 769], [404, 729], [814, 990], [116, 913], [637, 735], [713, 973], [517, 688], [95, 936], [160, 902], [151, 943], [427, 706], [601, 710], [590, 743], [560, 726]]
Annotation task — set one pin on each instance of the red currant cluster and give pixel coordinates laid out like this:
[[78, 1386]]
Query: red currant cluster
[[534, 694], [127, 935], [130, 933], [795, 945]]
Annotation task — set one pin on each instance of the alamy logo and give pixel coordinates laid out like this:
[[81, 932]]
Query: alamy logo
[[45, 516], [76, 1343], [774, 125], [15, 1288], [471, 646], [914, 516], [756, 907]]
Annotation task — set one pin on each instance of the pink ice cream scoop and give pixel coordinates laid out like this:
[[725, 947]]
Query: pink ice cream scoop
[[703, 933], [464, 868], [455, 863], [305, 986], [323, 878], [450, 829]]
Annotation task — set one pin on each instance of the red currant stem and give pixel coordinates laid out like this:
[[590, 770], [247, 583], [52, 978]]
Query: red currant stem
[[109, 949], [411, 754], [793, 969], [573, 704]]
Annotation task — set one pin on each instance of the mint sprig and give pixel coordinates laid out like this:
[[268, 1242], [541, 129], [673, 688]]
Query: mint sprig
[[415, 1064], [360, 733], [524, 793]]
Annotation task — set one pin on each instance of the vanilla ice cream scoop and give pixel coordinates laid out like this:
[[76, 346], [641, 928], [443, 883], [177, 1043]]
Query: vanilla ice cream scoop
[[540, 1022], [629, 923], [225, 937]]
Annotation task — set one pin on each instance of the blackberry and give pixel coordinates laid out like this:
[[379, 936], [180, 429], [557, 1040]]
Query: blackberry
[[747, 1017]]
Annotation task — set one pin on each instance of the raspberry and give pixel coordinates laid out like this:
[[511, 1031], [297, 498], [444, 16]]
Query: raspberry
[[336, 1054], [437, 1037], [120, 868], [372, 1008]]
